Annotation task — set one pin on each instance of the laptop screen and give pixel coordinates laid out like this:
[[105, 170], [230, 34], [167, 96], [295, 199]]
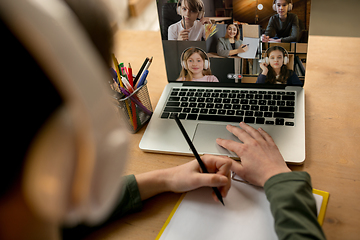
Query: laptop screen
[[228, 41]]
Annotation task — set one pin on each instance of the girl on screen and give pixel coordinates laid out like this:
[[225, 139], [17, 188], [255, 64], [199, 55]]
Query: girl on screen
[[231, 44], [195, 66], [189, 28], [283, 26], [274, 68]]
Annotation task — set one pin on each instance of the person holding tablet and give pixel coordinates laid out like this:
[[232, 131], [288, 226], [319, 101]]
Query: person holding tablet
[[231, 44]]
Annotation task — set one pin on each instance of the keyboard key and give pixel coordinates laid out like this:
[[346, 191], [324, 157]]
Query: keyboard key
[[172, 109], [165, 115], [269, 122], [268, 114], [187, 110], [182, 116], [195, 110], [220, 118], [192, 116], [221, 111], [287, 97], [286, 109], [240, 113], [204, 110], [245, 107], [249, 120], [249, 113], [279, 121], [289, 124], [212, 111], [283, 115], [210, 105], [192, 105], [173, 104], [230, 112], [260, 120]]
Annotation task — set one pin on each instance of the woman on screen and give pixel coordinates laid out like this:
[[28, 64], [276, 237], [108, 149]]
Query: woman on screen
[[195, 66], [274, 68], [231, 44], [283, 26]]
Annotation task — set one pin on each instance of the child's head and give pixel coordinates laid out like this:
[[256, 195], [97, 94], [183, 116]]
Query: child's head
[[195, 63], [277, 59], [191, 9], [282, 7], [232, 31]]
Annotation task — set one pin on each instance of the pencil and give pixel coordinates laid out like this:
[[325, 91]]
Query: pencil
[[116, 63], [201, 163], [140, 71]]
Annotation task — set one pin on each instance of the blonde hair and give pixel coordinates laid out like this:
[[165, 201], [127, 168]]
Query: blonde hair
[[237, 36], [186, 75]]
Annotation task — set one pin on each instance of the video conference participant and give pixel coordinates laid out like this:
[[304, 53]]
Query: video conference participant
[[283, 26], [231, 44], [189, 28], [195, 66], [274, 68]]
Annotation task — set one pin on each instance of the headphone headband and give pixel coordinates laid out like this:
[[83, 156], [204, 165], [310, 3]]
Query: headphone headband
[[201, 13], [289, 8], [206, 62]]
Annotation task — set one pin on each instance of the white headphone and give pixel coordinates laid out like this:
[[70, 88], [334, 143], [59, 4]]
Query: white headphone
[[206, 61], [201, 13], [73, 169], [290, 7], [286, 56]]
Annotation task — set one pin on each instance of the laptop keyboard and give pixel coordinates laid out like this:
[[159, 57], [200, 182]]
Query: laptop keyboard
[[271, 107]]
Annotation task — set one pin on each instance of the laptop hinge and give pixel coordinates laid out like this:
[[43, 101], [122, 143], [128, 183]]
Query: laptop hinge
[[234, 85]]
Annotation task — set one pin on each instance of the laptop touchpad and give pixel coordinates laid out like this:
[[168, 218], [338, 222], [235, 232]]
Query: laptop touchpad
[[205, 139]]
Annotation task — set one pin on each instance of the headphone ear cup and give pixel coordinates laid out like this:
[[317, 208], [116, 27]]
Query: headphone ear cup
[[201, 14], [183, 64], [274, 7], [286, 60], [290, 7], [178, 10], [267, 60], [206, 64]]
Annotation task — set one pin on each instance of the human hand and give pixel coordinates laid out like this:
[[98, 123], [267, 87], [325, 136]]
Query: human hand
[[260, 157], [205, 20], [264, 68], [264, 38], [189, 176], [243, 48], [183, 35], [275, 40]]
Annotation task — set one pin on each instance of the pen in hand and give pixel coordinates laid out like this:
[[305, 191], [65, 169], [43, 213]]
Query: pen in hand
[[201, 163]]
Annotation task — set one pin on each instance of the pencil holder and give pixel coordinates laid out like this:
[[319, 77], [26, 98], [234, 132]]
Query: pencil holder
[[136, 108]]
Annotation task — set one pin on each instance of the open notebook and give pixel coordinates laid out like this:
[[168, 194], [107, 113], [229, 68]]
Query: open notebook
[[246, 214], [226, 89]]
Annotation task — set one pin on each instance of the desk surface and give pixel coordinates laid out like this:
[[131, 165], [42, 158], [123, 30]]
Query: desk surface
[[332, 135]]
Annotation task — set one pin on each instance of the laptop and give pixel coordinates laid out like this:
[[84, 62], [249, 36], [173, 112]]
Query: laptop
[[231, 93]]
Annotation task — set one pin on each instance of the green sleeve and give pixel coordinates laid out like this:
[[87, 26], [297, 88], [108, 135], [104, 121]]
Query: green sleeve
[[129, 201], [293, 206], [129, 198]]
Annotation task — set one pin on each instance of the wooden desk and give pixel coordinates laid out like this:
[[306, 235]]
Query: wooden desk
[[332, 135]]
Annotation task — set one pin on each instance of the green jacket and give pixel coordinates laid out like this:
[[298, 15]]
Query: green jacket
[[293, 206]]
